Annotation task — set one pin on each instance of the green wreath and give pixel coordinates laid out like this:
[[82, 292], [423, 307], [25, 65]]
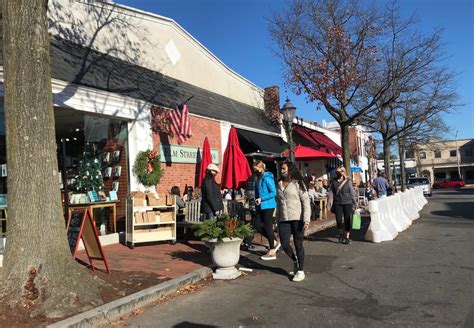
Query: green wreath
[[147, 168]]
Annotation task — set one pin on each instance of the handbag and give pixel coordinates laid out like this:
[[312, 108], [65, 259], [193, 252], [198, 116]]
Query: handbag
[[356, 220], [333, 205]]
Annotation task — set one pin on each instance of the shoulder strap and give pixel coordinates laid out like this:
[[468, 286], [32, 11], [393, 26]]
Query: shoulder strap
[[340, 187]]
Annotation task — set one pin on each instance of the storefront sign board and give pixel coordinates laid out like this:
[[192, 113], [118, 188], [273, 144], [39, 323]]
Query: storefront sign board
[[184, 154], [81, 226]]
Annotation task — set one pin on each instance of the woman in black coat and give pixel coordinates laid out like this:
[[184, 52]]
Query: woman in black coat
[[211, 202]]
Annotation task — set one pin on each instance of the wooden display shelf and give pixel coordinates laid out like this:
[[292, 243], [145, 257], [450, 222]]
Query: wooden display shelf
[[143, 232]]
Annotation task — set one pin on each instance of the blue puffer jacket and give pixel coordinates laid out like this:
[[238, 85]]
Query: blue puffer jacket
[[266, 191]]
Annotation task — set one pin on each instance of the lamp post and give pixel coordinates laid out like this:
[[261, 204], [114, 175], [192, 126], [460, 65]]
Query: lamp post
[[368, 147], [288, 111]]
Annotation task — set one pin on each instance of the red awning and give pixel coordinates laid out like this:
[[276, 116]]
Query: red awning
[[303, 153], [318, 140]]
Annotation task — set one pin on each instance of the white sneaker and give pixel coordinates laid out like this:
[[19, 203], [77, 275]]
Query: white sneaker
[[277, 245], [299, 276], [295, 268], [268, 257]]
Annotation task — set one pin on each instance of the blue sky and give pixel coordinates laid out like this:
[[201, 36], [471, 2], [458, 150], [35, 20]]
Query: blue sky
[[236, 32]]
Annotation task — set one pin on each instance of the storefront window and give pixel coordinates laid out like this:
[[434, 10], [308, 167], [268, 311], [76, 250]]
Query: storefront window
[[102, 140], [77, 132]]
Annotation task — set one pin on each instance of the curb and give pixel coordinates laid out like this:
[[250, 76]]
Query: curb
[[328, 223], [115, 309]]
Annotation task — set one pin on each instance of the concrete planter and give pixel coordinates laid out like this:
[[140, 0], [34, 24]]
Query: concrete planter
[[225, 255]]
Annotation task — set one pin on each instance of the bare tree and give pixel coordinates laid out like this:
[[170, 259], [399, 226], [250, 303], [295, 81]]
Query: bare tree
[[420, 133], [39, 272], [329, 49], [421, 87]]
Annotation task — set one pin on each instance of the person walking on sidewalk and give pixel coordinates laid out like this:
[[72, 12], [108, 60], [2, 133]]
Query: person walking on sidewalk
[[344, 203], [381, 185], [293, 215], [211, 202], [265, 200]]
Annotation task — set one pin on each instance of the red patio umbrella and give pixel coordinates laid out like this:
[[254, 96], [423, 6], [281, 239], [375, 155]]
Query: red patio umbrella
[[303, 153], [206, 159], [235, 168]]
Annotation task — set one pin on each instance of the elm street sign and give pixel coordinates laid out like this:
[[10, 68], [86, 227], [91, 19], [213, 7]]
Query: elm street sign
[[184, 154]]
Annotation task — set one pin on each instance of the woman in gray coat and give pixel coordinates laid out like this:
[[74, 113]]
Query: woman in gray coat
[[344, 203], [293, 215]]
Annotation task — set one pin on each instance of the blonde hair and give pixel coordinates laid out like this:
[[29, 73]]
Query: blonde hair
[[259, 164], [342, 167]]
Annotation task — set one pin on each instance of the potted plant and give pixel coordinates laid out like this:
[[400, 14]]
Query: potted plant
[[224, 236]]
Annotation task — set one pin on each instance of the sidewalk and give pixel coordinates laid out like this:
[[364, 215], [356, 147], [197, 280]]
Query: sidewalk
[[147, 273]]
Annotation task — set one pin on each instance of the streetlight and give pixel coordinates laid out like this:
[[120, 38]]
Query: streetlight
[[368, 147], [288, 111]]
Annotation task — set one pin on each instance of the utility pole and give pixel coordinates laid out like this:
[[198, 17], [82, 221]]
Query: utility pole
[[457, 155]]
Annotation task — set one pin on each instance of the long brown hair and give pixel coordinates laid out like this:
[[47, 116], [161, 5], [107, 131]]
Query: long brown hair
[[294, 174]]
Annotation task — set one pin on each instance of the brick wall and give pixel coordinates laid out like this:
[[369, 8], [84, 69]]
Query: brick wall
[[182, 174], [111, 146]]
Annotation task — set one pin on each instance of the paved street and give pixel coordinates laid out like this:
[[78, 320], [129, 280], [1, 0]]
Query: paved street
[[422, 279]]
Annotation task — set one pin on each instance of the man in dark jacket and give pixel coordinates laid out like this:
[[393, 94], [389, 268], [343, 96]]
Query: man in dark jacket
[[211, 202]]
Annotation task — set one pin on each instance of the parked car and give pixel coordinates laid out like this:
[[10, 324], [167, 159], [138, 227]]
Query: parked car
[[420, 182], [454, 183]]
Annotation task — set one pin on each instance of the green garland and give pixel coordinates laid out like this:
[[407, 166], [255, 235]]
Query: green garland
[[140, 169]]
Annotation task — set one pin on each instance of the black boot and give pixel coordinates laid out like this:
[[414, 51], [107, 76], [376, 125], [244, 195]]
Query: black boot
[[341, 237]]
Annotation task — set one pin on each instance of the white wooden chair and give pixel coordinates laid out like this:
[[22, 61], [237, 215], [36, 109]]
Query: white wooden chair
[[192, 214], [361, 198]]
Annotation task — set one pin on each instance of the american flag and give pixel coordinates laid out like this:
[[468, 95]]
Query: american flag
[[180, 122]]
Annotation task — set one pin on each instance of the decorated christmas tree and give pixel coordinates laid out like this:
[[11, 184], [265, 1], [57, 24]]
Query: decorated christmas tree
[[89, 171]]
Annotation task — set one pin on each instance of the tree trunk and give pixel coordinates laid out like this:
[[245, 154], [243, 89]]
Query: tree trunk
[[401, 154], [39, 272], [386, 158], [346, 152]]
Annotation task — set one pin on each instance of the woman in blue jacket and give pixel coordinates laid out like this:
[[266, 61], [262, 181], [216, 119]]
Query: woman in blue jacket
[[265, 199]]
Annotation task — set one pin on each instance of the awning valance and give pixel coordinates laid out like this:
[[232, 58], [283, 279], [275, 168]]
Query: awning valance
[[303, 153], [252, 142], [317, 139]]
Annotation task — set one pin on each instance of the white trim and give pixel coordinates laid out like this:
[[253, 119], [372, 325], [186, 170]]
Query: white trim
[[69, 95], [247, 128]]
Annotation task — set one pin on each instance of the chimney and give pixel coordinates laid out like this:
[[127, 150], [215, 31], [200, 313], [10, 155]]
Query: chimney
[[271, 104]]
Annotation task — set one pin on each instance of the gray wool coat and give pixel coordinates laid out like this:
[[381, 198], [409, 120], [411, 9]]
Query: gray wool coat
[[292, 203]]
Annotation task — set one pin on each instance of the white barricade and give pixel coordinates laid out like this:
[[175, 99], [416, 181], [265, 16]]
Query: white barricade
[[379, 230], [410, 204], [400, 214], [394, 214]]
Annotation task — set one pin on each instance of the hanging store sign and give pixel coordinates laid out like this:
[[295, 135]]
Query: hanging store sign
[[184, 154]]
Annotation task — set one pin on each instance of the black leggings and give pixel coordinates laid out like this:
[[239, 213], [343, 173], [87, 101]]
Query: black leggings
[[346, 211], [295, 228], [262, 222]]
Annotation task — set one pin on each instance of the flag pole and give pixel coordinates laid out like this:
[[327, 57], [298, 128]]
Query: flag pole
[[186, 101]]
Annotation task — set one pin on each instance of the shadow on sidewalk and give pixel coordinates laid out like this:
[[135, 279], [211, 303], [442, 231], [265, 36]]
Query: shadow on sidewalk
[[202, 258], [247, 262], [331, 235]]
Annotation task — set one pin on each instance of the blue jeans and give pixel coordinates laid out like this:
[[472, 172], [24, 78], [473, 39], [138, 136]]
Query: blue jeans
[[209, 216]]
